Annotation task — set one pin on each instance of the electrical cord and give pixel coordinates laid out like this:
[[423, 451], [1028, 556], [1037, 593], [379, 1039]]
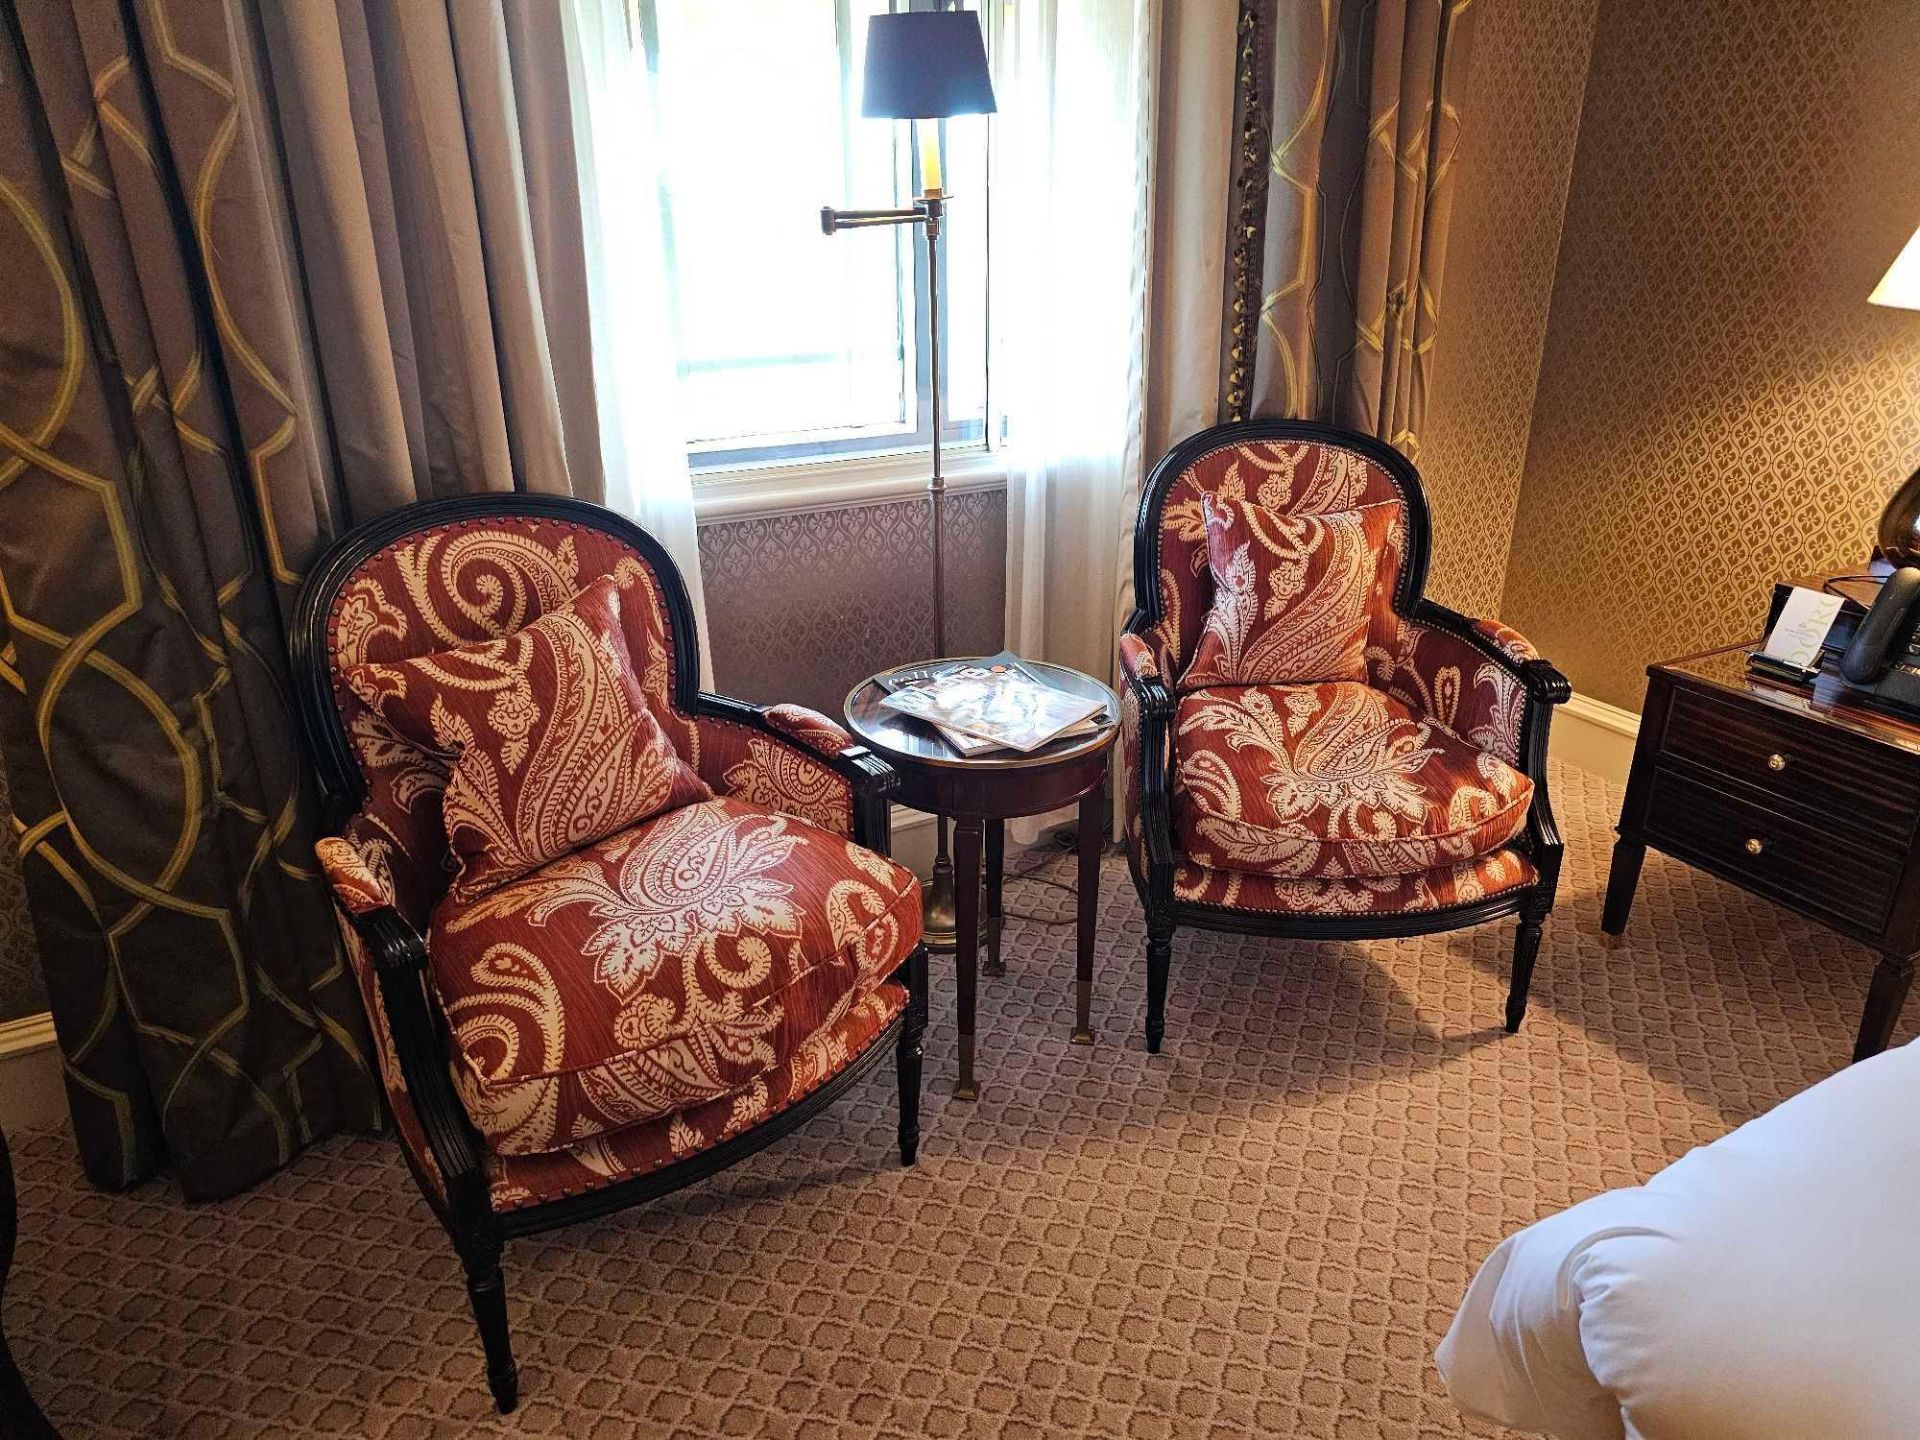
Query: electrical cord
[[1063, 846]]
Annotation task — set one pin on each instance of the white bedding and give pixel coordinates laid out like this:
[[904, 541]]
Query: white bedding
[[1764, 1287]]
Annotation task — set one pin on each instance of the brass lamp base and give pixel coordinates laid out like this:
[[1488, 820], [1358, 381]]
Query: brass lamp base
[[939, 915]]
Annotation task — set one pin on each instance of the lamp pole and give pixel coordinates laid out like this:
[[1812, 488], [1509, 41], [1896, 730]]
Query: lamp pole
[[939, 917]]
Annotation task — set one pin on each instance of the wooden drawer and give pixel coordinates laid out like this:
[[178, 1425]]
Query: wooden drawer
[[1819, 768], [1809, 866]]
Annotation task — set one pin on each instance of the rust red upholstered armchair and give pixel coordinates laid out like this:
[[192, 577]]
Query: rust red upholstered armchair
[[1310, 748], [574, 1010]]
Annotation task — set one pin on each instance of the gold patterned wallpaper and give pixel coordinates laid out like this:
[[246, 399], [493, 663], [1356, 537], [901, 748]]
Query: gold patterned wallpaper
[[1522, 115], [1718, 405]]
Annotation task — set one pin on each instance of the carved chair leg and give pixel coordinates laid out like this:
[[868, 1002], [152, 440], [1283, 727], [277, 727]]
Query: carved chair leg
[[1526, 948], [488, 1294], [1159, 957], [908, 1056]]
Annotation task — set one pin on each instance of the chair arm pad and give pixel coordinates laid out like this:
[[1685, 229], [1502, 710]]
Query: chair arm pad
[[812, 729], [360, 888]]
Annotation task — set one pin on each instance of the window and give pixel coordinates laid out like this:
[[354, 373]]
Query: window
[[793, 344]]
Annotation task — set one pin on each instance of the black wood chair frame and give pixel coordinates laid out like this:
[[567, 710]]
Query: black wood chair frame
[[1545, 688], [398, 951]]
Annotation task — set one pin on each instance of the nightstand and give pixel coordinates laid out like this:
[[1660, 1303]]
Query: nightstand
[[1798, 794]]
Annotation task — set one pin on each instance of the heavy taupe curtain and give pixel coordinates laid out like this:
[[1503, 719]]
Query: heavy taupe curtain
[[1349, 117], [269, 269]]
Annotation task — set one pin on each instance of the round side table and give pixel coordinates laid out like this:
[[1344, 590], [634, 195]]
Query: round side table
[[979, 795]]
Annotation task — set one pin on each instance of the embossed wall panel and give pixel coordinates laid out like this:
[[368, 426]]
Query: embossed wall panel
[[802, 607], [1718, 405], [1522, 117]]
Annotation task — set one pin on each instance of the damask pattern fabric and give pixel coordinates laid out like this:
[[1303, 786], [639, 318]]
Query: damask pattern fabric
[[549, 737], [1291, 592], [515, 1181], [659, 969], [1335, 781]]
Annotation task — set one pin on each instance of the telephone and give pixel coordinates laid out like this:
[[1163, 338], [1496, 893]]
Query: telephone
[[1882, 660]]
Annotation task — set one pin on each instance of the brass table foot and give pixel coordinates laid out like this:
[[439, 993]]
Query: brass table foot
[[1080, 1036], [963, 1086]]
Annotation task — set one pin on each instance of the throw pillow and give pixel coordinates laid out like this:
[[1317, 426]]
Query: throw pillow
[[548, 735], [1290, 593]]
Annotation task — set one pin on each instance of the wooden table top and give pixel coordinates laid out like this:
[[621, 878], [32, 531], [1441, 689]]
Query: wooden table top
[[1827, 699], [902, 737]]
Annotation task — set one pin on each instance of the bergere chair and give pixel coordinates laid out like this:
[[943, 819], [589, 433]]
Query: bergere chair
[[659, 1003], [1408, 795]]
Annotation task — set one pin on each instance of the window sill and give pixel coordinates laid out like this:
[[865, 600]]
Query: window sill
[[836, 484]]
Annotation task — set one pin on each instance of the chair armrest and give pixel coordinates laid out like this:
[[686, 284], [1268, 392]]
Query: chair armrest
[[1480, 679], [414, 1038], [1147, 707], [797, 761], [1488, 685]]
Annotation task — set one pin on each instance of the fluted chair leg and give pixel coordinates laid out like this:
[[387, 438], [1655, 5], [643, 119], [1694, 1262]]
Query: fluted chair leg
[[1526, 948], [907, 1059], [487, 1292], [1159, 959]]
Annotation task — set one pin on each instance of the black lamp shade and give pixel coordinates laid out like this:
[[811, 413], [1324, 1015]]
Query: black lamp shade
[[926, 65]]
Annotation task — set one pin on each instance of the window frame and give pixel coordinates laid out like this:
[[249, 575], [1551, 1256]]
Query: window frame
[[801, 456]]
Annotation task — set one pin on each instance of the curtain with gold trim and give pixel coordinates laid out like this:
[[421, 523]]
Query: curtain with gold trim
[[1349, 130], [207, 370]]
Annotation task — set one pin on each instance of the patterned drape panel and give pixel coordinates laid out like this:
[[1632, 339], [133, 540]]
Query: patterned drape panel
[[204, 376], [1349, 129]]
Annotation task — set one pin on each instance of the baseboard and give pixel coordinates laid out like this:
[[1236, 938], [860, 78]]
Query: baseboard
[[1596, 737], [25, 1035], [913, 840]]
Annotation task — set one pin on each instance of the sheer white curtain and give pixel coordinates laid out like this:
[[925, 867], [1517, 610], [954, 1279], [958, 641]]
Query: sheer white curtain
[[635, 367], [1070, 241]]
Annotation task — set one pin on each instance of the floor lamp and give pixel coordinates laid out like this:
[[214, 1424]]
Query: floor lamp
[[926, 65]]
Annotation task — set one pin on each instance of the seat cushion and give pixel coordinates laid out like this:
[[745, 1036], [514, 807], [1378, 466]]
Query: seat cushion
[[1467, 883], [660, 968], [516, 1181], [1331, 781]]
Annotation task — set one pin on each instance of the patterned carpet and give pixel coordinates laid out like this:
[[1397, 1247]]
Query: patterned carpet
[[1262, 1231]]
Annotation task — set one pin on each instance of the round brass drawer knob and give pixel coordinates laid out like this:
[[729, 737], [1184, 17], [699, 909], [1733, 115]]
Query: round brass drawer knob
[[1776, 762], [1755, 845]]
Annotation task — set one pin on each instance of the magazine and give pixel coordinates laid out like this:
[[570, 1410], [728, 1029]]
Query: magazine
[[985, 704]]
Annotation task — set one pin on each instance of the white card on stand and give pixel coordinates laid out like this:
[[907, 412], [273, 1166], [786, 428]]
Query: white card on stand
[[1804, 622]]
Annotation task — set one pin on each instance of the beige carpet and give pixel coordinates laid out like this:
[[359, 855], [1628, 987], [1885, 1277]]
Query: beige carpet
[[1263, 1230]]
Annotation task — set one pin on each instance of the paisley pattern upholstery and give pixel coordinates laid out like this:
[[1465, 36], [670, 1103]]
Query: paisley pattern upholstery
[[520, 1180], [1290, 592], [1334, 780], [480, 580], [1294, 477], [360, 888], [659, 969], [472, 580], [810, 728], [1463, 884], [551, 742], [1452, 680], [1427, 751]]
